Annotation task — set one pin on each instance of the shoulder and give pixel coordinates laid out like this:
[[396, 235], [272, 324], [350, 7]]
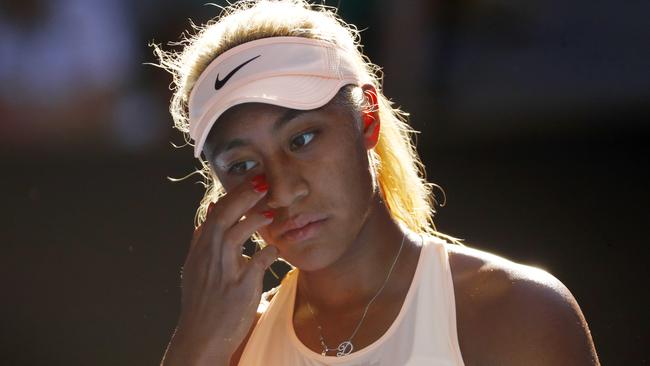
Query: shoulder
[[513, 314]]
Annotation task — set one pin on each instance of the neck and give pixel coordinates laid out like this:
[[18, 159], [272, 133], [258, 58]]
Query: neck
[[353, 279]]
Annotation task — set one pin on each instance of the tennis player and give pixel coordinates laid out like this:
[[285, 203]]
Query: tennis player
[[301, 149]]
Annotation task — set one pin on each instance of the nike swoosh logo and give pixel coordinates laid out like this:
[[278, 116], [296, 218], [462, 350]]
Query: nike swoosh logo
[[218, 84]]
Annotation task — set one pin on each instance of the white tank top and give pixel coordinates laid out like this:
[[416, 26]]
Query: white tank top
[[423, 334]]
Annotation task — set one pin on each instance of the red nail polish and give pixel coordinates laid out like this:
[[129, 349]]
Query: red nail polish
[[268, 214], [259, 183]]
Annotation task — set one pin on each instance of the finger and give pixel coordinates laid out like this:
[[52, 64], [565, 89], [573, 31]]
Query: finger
[[231, 207], [226, 212], [195, 236], [235, 237], [262, 260]]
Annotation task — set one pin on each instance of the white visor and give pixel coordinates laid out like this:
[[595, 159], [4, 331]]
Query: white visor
[[292, 72]]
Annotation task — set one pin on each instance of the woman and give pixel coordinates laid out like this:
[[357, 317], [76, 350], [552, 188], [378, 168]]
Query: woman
[[292, 124]]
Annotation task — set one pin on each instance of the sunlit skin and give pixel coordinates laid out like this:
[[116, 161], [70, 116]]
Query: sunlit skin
[[315, 163]]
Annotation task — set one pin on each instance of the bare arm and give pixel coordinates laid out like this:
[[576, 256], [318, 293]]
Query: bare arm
[[534, 321], [550, 326], [512, 314], [221, 289]]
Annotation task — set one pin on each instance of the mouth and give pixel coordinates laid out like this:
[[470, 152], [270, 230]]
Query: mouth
[[302, 227]]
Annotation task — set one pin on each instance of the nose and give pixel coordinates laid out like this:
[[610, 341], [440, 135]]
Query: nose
[[286, 184]]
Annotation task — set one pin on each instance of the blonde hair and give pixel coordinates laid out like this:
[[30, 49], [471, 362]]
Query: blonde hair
[[397, 166]]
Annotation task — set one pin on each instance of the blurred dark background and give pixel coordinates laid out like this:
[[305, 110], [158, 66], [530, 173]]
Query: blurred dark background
[[534, 119]]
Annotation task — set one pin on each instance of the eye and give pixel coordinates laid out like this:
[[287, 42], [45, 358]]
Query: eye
[[241, 167], [302, 140]]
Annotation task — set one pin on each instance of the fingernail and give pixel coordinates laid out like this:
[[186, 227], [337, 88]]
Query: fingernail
[[268, 214], [259, 183]]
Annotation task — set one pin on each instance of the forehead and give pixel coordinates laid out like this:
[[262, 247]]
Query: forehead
[[246, 117], [247, 113], [249, 118]]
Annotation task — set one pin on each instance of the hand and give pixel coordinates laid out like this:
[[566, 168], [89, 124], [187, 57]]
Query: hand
[[221, 288]]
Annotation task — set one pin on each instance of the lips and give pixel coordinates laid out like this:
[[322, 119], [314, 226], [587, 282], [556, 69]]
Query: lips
[[301, 227]]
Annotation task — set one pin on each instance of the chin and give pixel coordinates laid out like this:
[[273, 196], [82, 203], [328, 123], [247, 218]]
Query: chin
[[308, 258], [306, 265]]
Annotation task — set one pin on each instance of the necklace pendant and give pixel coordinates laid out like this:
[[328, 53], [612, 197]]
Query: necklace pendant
[[344, 349]]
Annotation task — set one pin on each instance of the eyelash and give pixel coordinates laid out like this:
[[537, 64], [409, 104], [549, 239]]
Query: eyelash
[[312, 133], [233, 168]]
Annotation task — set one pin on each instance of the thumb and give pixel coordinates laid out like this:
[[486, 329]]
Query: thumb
[[262, 259]]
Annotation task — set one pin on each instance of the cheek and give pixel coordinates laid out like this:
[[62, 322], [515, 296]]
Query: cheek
[[345, 176]]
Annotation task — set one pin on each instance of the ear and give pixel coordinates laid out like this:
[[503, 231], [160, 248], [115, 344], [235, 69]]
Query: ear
[[370, 115]]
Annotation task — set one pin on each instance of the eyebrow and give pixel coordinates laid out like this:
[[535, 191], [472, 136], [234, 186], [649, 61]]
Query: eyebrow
[[279, 123]]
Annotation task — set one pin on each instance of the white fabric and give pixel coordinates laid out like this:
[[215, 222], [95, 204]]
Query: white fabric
[[423, 334], [291, 72]]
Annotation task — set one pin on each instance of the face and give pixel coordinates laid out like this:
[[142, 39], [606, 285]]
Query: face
[[316, 166]]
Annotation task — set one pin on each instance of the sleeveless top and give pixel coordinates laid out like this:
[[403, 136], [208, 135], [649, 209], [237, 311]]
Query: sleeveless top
[[423, 334]]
